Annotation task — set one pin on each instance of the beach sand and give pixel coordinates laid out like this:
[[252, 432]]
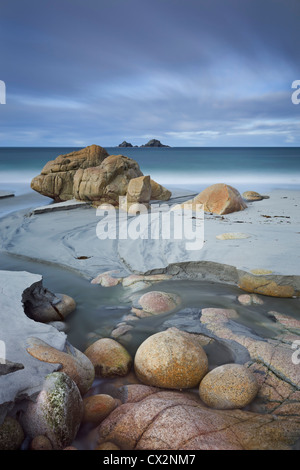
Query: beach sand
[[271, 231]]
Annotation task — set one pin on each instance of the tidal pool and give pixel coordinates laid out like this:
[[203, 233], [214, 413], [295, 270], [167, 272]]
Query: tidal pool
[[99, 310]]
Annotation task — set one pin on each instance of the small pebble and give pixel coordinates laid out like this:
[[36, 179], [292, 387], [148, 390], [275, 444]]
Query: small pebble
[[107, 446], [97, 407], [40, 443]]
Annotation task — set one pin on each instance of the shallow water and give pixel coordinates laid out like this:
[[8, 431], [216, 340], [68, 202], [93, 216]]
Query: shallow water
[[100, 309]]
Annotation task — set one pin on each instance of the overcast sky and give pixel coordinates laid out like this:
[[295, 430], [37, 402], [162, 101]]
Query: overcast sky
[[187, 72]]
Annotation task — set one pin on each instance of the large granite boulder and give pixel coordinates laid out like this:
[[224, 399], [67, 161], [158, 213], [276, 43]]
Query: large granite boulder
[[92, 175], [56, 178], [171, 359], [218, 198]]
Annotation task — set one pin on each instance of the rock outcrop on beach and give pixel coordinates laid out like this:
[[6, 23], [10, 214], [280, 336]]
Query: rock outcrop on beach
[[93, 176], [154, 143], [221, 199], [218, 199], [155, 419], [258, 283], [56, 178]]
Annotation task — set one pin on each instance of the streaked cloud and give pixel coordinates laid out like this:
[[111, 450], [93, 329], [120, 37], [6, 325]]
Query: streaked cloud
[[189, 73]]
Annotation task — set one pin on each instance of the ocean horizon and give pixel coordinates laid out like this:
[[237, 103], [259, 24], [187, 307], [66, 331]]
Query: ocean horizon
[[246, 168]]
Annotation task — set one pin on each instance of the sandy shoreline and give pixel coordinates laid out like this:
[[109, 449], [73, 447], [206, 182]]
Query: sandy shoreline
[[271, 228]]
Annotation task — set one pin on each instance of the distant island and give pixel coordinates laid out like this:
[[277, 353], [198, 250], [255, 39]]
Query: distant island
[[126, 144], [151, 143], [154, 143]]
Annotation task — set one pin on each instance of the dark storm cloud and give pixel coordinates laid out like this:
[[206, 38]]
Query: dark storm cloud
[[79, 72]]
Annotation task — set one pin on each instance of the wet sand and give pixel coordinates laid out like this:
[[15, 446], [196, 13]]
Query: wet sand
[[69, 238]]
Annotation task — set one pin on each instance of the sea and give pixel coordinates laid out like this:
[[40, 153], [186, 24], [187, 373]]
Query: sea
[[256, 168]]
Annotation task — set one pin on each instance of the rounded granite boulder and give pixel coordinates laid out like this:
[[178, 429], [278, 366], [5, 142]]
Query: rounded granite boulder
[[57, 412], [156, 302], [253, 196], [110, 358], [229, 386], [171, 359], [57, 310]]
